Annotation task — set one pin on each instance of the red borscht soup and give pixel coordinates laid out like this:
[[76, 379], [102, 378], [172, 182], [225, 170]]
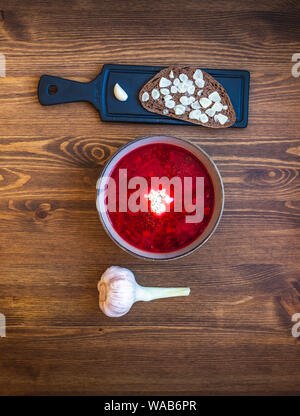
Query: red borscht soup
[[161, 232]]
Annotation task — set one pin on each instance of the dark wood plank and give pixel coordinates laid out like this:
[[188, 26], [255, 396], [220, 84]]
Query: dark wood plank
[[246, 360], [233, 334]]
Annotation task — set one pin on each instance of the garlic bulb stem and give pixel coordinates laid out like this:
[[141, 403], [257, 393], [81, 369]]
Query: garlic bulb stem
[[150, 293]]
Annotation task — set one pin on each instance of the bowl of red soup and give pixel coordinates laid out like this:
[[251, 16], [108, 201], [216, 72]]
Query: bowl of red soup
[[160, 197]]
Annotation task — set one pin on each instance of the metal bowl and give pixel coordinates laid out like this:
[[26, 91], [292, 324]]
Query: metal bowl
[[218, 193]]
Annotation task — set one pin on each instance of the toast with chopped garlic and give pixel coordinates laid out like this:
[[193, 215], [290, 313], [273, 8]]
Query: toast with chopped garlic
[[190, 94]]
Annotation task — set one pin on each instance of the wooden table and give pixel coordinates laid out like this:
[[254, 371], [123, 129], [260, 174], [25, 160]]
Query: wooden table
[[233, 334]]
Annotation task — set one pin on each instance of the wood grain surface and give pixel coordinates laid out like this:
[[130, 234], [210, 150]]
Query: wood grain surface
[[232, 335]]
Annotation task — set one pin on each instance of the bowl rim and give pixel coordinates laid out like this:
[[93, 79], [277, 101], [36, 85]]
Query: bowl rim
[[218, 186]]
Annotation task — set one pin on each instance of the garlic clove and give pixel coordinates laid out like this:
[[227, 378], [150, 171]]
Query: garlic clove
[[183, 77], [195, 105], [179, 109], [200, 82], [214, 96], [184, 100], [205, 102], [167, 97], [221, 118], [119, 93], [170, 103], [203, 118], [155, 94], [145, 96], [164, 82], [191, 89], [198, 74], [165, 91], [195, 114], [217, 106]]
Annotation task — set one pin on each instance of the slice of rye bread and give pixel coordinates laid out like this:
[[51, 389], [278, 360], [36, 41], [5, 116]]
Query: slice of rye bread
[[210, 85]]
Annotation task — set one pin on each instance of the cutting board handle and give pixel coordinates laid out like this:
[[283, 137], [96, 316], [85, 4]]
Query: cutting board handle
[[55, 90]]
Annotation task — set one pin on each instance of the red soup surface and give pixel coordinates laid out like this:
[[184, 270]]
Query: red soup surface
[[168, 231]]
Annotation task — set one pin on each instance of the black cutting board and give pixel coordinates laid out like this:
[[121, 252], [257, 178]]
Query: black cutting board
[[99, 92]]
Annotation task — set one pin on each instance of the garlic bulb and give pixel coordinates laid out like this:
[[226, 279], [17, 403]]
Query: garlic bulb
[[118, 291]]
